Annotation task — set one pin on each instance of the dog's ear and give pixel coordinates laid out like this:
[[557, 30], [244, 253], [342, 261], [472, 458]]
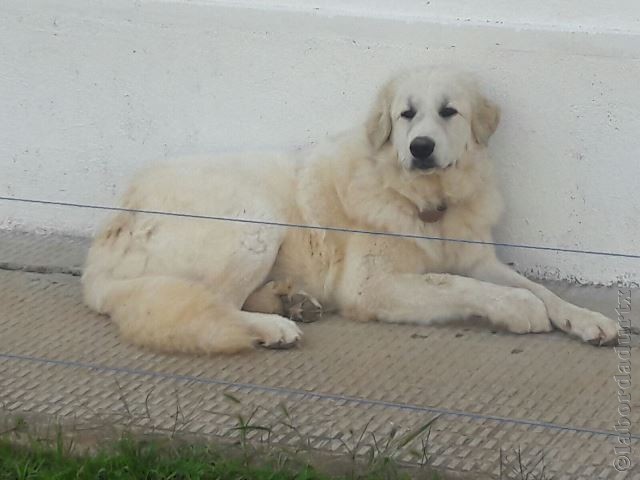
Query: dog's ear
[[378, 124], [484, 120]]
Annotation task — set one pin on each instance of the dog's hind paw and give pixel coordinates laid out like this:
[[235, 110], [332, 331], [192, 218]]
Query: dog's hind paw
[[278, 333], [302, 307]]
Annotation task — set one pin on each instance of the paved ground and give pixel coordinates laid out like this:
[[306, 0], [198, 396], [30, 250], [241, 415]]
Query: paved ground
[[546, 395]]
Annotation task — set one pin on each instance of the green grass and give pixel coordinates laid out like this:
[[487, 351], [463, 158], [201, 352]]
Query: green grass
[[34, 452], [129, 459], [135, 459]]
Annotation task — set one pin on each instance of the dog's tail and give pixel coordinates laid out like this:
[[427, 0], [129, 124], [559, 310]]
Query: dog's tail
[[170, 314]]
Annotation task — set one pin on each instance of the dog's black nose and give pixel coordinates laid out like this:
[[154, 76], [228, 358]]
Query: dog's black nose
[[422, 147]]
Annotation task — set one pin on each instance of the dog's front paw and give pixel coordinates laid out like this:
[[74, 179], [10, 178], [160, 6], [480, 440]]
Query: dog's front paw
[[591, 327], [520, 311]]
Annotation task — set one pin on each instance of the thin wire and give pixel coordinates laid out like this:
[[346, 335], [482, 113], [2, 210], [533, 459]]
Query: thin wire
[[302, 394], [319, 227]]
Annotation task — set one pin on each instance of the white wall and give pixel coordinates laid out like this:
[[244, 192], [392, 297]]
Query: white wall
[[92, 90]]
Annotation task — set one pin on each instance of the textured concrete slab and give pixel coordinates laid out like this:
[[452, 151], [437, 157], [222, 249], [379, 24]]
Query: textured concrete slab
[[547, 395]]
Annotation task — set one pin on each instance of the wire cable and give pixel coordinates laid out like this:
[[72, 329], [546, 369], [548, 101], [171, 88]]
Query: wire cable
[[320, 227]]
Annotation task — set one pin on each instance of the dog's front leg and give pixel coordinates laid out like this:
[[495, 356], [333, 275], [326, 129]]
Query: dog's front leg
[[438, 298], [590, 326]]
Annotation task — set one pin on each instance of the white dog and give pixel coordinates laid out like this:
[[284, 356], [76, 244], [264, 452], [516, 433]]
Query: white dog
[[418, 166]]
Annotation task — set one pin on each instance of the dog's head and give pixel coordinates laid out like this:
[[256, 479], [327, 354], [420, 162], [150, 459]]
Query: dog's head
[[432, 118]]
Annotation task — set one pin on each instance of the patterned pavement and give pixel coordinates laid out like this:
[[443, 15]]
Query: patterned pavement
[[548, 396]]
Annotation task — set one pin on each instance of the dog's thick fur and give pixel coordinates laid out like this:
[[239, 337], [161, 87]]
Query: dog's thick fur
[[197, 285]]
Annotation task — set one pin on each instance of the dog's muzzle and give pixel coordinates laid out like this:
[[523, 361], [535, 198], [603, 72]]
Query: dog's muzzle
[[422, 150]]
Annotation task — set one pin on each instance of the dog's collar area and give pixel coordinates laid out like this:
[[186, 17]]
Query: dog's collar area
[[433, 215]]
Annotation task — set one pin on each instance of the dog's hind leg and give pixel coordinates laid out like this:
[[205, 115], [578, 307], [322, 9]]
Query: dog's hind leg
[[268, 298], [182, 288], [280, 297], [173, 314]]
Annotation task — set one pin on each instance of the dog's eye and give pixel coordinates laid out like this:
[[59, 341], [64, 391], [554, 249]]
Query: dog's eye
[[446, 112], [408, 114]]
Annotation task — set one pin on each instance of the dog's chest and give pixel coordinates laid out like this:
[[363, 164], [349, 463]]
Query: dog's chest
[[454, 243]]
